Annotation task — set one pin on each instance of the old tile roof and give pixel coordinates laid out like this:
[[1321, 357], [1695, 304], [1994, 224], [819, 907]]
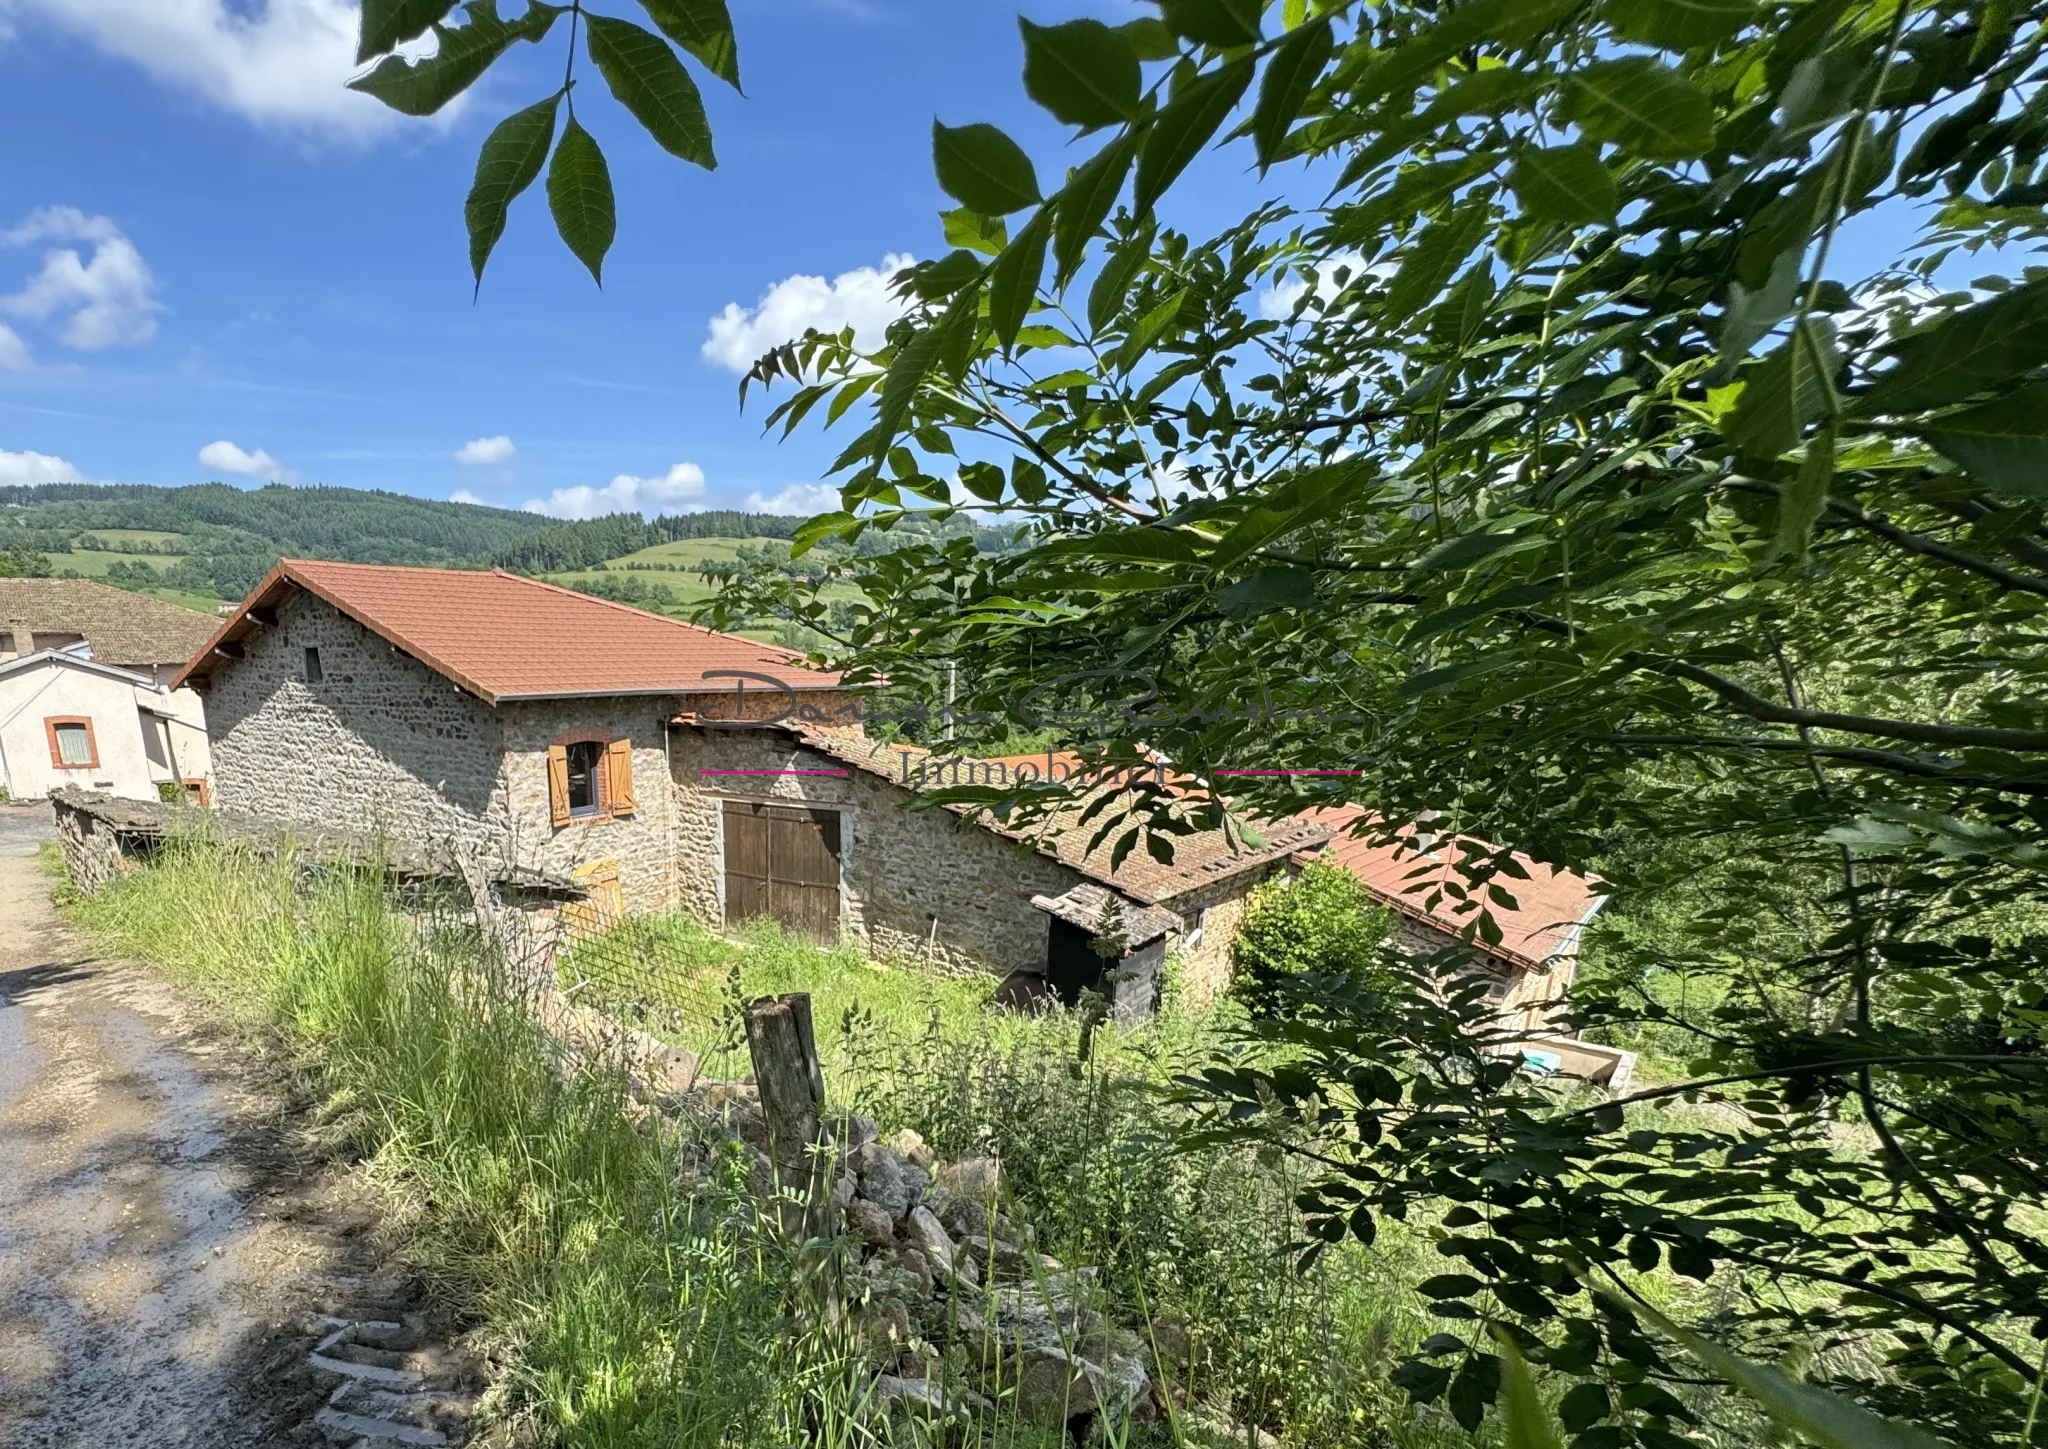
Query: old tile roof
[[123, 628], [503, 637], [1089, 907], [1551, 907], [1201, 860]]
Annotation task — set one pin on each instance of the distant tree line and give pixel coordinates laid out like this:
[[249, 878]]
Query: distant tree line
[[587, 542], [233, 536]]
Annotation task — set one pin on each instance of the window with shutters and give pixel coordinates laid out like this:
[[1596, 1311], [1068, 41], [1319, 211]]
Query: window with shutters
[[590, 777], [72, 746], [585, 796]]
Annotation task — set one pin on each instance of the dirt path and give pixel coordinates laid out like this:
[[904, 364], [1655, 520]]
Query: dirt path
[[174, 1270]]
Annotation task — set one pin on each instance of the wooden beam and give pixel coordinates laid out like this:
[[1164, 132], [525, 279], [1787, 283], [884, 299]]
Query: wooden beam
[[228, 647], [267, 617]]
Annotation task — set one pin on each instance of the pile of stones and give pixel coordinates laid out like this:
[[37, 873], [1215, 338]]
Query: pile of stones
[[955, 1306]]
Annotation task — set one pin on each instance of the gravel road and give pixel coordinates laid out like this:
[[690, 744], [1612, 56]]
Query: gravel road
[[169, 1258]]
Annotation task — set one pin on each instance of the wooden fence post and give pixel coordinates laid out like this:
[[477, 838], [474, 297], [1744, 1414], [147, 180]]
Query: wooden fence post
[[792, 1088]]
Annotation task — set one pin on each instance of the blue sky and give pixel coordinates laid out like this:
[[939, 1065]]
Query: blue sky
[[216, 263], [211, 248]]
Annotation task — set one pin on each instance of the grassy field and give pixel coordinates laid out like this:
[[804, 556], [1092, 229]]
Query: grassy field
[[94, 563], [165, 543], [673, 566]]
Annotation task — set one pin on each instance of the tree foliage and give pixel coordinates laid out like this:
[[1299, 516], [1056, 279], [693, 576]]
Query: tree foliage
[[1319, 920], [640, 67], [1553, 473]]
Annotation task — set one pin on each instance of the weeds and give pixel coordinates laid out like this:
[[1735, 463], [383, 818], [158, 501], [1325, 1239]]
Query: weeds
[[620, 1263]]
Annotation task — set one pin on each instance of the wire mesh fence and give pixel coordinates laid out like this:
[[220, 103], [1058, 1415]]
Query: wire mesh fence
[[647, 974]]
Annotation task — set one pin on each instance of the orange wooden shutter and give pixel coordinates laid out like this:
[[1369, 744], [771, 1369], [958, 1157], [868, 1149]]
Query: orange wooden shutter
[[558, 784], [618, 759]]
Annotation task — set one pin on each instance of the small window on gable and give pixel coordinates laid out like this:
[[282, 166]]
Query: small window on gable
[[313, 671], [585, 758]]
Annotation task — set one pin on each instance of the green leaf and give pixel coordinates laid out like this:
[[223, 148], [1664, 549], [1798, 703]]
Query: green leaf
[[1083, 72], [1403, 67], [1565, 184], [1679, 24], [1113, 282], [982, 169], [1151, 327], [650, 82], [704, 29], [1751, 314], [1803, 500], [388, 24], [1525, 1423], [1815, 1414], [2002, 444], [1013, 281], [1290, 76], [1643, 106], [970, 229], [1184, 128], [1149, 38], [983, 480], [1434, 258], [1221, 23], [914, 361], [1267, 590], [1305, 498], [580, 196], [1973, 351], [466, 52], [1086, 199], [511, 157], [1786, 391]]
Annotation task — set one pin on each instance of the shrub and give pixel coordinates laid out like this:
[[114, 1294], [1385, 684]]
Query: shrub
[[1321, 920]]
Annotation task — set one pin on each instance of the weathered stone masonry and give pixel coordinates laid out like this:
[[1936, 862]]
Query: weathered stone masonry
[[385, 745], [916, 884]]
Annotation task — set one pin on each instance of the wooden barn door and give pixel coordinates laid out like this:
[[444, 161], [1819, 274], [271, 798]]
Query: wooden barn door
[[783, 861]]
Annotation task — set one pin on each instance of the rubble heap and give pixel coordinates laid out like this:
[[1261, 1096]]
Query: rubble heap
[[948, 1293]]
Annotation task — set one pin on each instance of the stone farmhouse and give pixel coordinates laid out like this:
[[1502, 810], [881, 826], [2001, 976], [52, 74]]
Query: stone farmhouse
[[544, 730]]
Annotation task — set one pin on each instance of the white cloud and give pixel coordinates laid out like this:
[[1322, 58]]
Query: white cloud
[[275, 62], [108, 298], [463, 495], [13, 351], [859, 299], [1278, 301], [682, 484], [805, 498], [229, 458], [28, 467], [485, 450]]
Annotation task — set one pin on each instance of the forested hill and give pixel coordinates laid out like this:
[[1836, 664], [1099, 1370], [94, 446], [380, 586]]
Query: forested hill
[[216, 541], [593, 540]]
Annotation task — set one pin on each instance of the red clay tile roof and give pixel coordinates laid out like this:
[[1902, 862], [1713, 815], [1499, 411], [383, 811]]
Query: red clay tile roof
[[1199, 860], [1550, 907], [503, 637]]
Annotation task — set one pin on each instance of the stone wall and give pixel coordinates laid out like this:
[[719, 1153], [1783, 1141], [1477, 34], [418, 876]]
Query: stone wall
[[643, 843], [91, 847], [383, 745], [1204, 967], [915, 884]]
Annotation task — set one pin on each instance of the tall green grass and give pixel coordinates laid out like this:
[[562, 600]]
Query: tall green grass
[[635, 1311], [1079, 1112], [618, 1260]]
